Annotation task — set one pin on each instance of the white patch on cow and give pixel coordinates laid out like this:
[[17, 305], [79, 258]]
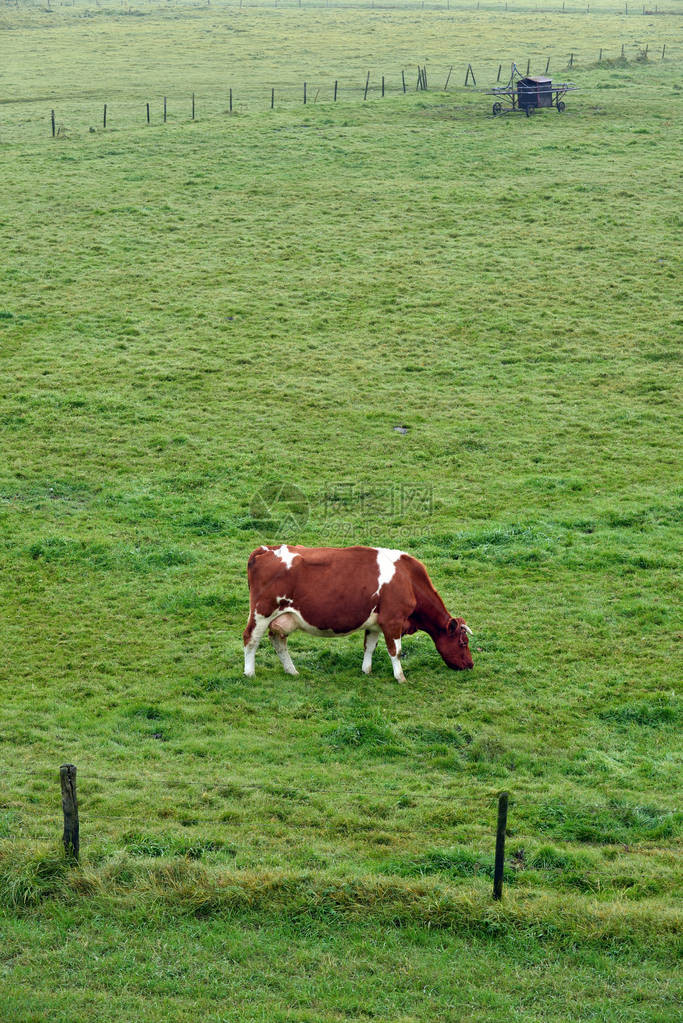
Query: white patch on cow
[[369, 623], [284, 554], [386, 566]]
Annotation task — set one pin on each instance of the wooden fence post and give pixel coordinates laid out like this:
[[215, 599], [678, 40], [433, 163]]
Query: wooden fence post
[[304, 94], [367, 83], [52, 119], [164, 110], [231, 101], [335, 90], [193, 106], [571, 60], [528, 65], [67, 777], [403, 79], [500, 68], [382, 86], [148, 113], [663, 50], [104, 117], [448, 78], [500, 846], [272, 98]]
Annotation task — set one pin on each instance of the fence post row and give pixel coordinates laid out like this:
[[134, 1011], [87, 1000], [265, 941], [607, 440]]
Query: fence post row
[[421, 84]]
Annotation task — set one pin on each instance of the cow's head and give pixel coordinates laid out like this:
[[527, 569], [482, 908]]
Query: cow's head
[[453, 645]]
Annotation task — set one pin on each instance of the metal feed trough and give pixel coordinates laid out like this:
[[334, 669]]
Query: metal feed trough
[[528, 92]]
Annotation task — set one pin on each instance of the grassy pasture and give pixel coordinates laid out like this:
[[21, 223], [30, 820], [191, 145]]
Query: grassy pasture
[[193, 314]]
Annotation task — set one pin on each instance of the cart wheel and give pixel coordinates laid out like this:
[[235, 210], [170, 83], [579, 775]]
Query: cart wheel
[[560, 106], [497, 107]]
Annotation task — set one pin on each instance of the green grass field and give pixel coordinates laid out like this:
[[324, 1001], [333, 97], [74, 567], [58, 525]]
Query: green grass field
[[195, 314]]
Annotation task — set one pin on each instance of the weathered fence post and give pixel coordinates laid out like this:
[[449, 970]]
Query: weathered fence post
[[367, 83], [148, 113], [622, 49], [164, 110], [272, 98], [193, 106], [104, 117], [231, 101], [547, 65], [663, 50], [571, 60], [304, 93], [500, 68], [448, 78], [528, 65], [335, 90], [67, 777], [500, 846], [382, 86], [52, 119], [403, 79]]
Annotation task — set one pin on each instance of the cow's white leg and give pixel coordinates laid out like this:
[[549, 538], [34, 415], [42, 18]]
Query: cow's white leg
[[279, 630], [371, 638], [280, 644], [394, 648], [251, 646]]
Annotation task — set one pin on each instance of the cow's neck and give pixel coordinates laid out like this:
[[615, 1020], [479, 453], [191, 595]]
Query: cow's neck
[[430, 614]]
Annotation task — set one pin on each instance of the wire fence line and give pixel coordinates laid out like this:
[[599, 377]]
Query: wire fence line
[[73, 118], [618, 7]]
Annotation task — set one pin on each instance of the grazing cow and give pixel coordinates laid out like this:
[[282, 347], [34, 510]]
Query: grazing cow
[[332, 591]]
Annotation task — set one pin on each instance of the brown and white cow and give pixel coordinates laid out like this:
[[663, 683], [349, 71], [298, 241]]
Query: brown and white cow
[[333, 591]]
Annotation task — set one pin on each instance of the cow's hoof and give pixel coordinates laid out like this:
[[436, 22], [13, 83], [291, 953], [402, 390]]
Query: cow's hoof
[[249, 674], [291, 671]]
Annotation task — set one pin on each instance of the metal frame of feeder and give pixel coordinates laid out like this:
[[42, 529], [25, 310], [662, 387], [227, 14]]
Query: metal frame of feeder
[[536, 91]]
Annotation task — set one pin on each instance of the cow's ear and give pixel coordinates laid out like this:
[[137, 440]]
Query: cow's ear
[[452, 627]]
